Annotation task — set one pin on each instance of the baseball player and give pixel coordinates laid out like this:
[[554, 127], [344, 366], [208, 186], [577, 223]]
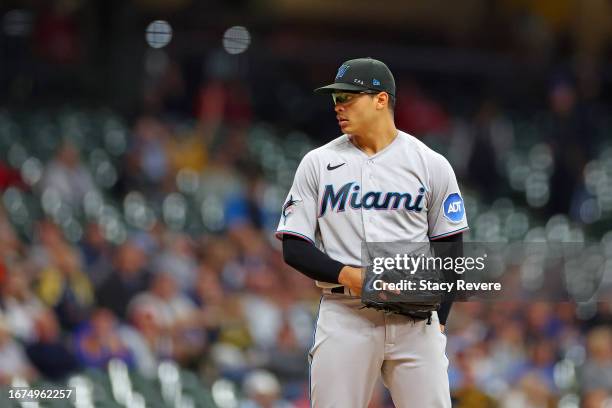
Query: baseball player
[[374, 183]]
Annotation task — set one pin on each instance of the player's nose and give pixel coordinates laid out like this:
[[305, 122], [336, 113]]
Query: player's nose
[[339, 108]]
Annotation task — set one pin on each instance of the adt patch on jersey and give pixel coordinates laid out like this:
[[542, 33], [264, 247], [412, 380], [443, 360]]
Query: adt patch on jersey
[[453, 208]]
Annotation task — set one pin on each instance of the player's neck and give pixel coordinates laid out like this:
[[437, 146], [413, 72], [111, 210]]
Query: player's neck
[[375, 139]]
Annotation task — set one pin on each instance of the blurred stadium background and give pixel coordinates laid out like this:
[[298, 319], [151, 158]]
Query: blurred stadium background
[[146, 147]]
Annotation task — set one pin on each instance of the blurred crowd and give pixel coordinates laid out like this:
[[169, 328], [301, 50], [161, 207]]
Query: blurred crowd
[[223, 303], [147, 236], [529, 355], [115, 265]]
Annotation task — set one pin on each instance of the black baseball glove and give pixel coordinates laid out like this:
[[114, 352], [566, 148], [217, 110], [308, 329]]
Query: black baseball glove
[[408, 297]]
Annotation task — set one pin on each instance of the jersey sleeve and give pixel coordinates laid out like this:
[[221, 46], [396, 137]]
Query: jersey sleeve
[[446, 213], [299, 212]]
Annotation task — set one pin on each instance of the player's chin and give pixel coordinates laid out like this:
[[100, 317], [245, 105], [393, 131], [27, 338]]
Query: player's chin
[[344, 125]]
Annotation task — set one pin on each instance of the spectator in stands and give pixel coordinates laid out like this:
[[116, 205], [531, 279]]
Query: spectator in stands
[[507, 350], [178, 259], [210, 298], [483, 156], [187, 150], [246, 206], [541, 322], [570, 132], [147, 161], [418, 113], [601, 398], [158, 342], [217, 103], [221, 304], [3, 274], [530, 392], [57, 36], [10, 245], [602, 317], [542, 356], [597, 370], [481, 371], [269, 305], [219, 178], [263, 314], [146, 340], [165, 90], [9, 177], [220, 256], [49, 352], [175, 313], [67, 176], [48, 239], [66, 288], [262, 390], [13, 360], [288, 359], [207, 291], [128, 278], [97, 254], [99, 341], [21, 306]]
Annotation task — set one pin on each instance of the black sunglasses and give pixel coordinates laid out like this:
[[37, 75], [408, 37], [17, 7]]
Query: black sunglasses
[[344, 97]]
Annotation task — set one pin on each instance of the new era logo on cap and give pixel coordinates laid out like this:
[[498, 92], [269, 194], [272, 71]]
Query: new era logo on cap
[[375, 82]]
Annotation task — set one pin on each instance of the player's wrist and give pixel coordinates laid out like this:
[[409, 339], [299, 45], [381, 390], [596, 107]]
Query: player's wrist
[[349, 275], [343, 276]]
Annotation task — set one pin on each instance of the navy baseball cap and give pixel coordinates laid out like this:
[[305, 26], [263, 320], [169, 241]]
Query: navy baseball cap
[[362, 74]]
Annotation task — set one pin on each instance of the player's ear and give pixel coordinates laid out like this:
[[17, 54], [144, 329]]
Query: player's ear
[[382, 100]]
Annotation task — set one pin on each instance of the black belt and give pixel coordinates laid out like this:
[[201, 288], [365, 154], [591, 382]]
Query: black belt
[[416, 316]]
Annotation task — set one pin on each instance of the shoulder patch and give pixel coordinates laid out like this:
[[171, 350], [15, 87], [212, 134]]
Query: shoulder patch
[[453, 208], [289, 206]]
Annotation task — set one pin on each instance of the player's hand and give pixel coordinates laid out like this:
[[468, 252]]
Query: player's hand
[[351, 278], [442, 329]]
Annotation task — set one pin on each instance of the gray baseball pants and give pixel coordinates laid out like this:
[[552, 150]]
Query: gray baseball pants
[[354, 345]]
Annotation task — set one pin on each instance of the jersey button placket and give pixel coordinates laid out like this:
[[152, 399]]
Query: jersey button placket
[[372, 186], [365, 214]]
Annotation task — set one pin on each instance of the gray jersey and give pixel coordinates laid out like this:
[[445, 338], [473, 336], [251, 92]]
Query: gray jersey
[[341, 197]]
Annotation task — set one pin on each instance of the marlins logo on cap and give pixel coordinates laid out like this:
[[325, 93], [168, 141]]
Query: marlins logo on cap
[[342, 70]]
